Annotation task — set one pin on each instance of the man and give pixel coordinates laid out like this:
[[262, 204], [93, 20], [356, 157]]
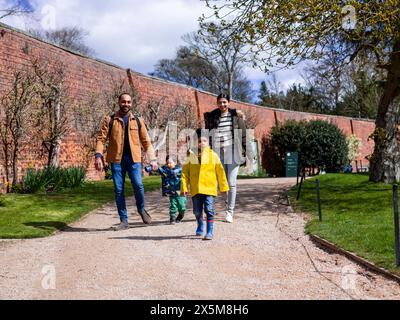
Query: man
[[229, 142], [125, 133]]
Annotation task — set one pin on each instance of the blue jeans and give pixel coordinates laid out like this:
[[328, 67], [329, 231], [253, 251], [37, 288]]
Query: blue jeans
[[134, 171], [202, 201]]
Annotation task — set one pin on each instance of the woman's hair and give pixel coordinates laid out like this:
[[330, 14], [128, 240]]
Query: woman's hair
[[224, 96]]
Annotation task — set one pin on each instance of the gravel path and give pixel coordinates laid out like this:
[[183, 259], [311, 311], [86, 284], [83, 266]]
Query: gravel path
[[263, 255]]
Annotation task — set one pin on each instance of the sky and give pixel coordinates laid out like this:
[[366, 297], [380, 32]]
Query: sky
[[130, 33]]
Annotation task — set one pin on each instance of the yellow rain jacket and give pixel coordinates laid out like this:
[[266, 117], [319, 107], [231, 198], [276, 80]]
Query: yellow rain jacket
[[202, 177]]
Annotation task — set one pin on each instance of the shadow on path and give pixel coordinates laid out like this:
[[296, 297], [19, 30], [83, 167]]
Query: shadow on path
[[157, 238]]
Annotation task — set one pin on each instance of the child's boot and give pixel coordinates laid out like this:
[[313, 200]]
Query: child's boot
[[180, 217], [200, 226], [210, 230]]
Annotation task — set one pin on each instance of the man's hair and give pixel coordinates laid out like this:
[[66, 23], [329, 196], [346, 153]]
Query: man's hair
[[224, 96], [123, 94]]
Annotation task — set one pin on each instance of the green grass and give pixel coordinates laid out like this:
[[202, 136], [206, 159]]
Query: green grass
[[40, 215], [357, 215]]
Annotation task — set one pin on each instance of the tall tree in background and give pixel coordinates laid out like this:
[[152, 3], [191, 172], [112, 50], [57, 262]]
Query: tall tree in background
[[208, 64], [212, 43], [189, 69], [72, 38], [298, 30]]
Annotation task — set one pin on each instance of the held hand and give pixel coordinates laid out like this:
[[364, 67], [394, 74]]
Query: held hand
[[224, 195], [184, 194], [99, 164]]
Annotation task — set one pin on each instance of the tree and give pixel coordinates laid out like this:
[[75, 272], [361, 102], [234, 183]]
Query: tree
[[190, 69], [17, 106], [298, 30], [271, 94], [348, 89], [264, 95], [52, 115], [72, 38], [211, 44], [362, 93], [17, 9]]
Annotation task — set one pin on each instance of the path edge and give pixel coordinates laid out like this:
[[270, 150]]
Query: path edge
[[325, 244]]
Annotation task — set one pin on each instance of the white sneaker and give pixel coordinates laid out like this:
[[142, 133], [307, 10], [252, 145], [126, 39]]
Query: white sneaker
[[229, 218]]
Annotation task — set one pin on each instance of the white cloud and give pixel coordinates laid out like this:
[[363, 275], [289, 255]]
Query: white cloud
[[134, 33]]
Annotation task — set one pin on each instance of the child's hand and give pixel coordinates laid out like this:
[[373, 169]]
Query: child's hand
[[224, 195], [184, 194]]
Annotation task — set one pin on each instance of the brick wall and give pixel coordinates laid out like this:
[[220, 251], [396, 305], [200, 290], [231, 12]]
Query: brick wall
[[86, 75]]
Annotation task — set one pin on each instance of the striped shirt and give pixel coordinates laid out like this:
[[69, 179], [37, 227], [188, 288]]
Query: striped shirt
[[224, 131]]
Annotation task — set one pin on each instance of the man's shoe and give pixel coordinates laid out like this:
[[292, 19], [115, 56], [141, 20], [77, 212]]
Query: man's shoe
[[228, 218], [145, 217], [122, 226]]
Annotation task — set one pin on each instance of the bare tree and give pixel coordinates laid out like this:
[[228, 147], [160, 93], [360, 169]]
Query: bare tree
[[185, 115], [16, 105], [52, 118], [211, 43], [14, 10], [72, 38]]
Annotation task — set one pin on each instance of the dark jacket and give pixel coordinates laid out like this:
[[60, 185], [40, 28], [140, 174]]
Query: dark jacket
[[171, 180], [212, 120]]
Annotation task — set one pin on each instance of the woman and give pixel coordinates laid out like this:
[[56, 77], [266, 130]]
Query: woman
[[228, 140]]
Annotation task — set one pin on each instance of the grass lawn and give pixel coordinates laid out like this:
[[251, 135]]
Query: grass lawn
[[33, 216], [357, 215]]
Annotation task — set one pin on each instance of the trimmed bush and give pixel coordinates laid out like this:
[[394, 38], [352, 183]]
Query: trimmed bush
[[324, 147], [319, 144]]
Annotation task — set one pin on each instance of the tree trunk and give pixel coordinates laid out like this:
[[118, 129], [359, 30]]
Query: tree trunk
[[7, 165], [385, 165], [230, 85], [54, 152], [15, 166]]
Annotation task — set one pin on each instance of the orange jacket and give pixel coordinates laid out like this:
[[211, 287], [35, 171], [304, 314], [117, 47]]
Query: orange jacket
[[116, 139]]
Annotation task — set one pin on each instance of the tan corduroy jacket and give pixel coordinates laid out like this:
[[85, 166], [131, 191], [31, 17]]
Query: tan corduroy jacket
[[137, 138]]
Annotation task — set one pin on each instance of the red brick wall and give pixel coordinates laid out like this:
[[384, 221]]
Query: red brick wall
[[86, 76]]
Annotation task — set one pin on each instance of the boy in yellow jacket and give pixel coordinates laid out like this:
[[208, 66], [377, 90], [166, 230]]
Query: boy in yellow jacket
[[201, 172]]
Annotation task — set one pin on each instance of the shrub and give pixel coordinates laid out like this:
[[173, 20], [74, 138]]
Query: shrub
[[324, 147], [319, 144], [35, 180], [53, 179], [73, 177]]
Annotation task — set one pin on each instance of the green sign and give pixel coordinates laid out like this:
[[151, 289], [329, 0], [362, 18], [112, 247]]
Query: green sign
[[292, 163]]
